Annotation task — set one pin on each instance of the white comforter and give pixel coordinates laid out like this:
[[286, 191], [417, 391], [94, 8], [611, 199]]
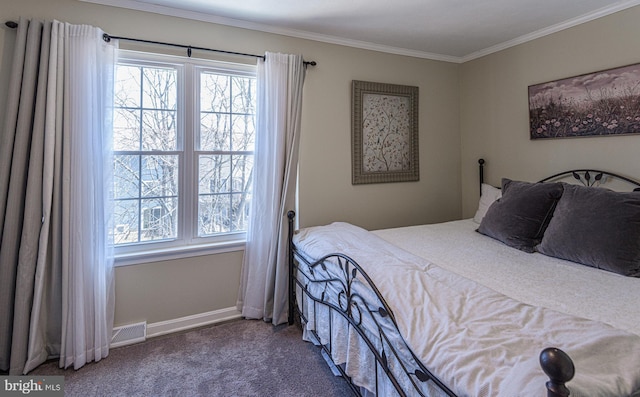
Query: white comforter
[[476, 340], [535, 279]]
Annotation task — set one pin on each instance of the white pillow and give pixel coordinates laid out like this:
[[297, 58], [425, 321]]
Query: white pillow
[[489, 195]]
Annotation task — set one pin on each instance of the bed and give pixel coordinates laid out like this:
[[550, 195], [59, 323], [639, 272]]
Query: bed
[[486, 306]]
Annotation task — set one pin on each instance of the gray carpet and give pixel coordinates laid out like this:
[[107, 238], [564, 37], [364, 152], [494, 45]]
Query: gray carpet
[[239, 358]]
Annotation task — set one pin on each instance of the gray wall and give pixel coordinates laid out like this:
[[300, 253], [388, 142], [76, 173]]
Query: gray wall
[[494, 105]]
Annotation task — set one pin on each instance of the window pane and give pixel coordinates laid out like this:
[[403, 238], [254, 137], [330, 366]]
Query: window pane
[[159, 176], [126, 176], [127, 86], [214, 174], [243, 89], [159, 130], [214, 214], [126, 129], [215, 93], [242, 173], [214, 132], [159, 88], [146, 186], [227, 124], [158, 219], [125, 221], [243, 133], [223, 213]]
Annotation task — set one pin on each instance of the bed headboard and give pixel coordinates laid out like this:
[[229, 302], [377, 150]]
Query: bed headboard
[[587, 177], [556, 363]]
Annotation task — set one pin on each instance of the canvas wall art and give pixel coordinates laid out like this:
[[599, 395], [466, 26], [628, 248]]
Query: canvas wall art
[[603, 103]]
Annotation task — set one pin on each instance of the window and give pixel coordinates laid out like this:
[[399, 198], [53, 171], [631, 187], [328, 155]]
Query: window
[[183, 151]]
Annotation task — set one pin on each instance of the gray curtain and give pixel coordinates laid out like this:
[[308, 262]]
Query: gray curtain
[[21, 162]]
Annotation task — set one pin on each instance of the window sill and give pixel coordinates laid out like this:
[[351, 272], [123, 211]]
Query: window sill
[[164, 254]]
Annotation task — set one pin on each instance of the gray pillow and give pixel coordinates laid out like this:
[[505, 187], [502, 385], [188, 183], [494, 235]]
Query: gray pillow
[[596, 227], [521, 215]]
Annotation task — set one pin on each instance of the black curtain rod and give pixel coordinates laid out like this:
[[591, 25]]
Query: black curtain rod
[[106, 37]]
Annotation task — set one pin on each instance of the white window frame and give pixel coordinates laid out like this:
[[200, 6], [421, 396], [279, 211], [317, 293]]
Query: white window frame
[[187, 243]]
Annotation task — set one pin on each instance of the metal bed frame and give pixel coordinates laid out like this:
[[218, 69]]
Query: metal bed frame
[[355, 309]]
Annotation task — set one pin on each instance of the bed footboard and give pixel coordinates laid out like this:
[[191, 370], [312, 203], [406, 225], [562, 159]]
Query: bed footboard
[[374, 322], [369, 316], [560, 370]]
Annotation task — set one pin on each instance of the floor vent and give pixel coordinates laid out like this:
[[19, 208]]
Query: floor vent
[[129, 334]]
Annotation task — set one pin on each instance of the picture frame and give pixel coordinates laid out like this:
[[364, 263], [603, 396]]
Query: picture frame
[[603, 103], [384, 133]]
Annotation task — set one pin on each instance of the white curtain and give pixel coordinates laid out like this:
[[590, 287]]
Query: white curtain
[[56, 263], [87, 255], [264, 282]]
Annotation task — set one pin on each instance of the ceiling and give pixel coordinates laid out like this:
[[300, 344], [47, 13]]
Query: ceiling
[[449, 30]]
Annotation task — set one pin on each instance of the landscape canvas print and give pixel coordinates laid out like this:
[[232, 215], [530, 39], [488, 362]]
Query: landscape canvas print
[[596, 104]]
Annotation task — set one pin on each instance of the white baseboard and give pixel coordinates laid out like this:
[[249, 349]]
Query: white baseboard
[[194, 321]]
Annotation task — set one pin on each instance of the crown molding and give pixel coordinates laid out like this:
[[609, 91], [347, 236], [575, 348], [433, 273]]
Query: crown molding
[[203, 17], [163, 10], [620, 6]]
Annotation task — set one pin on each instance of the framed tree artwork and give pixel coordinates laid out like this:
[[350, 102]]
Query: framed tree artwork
[[384, 133]]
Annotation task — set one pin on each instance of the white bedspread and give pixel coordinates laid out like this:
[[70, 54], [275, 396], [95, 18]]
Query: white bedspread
[[478, 341], [535, 279]]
